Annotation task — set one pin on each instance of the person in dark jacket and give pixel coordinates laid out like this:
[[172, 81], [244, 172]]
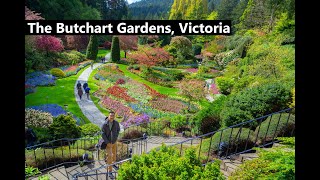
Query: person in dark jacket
[[110, 132], [87, 90], [85, 85], [80, 92], [79, 85]]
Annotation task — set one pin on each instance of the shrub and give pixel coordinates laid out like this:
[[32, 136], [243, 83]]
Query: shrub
[[277, 163], [225, 84], [57, 72], [92, 48], [178, 121], [37, 118], [89, 129], [31, 171], [239, 139], [115, 49], [49, 157], [64, 126], [242, 107], [42, 134], [196, 49], [284, 128], [208, 119], [131, 133], [167, 164]]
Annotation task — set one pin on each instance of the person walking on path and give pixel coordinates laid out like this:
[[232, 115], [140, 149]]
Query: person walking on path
[[80, 92], [87, 90], [79, 85], [85, 85], [110, 132]]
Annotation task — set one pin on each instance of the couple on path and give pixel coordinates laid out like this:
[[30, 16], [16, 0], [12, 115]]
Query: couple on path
[[85, 87]]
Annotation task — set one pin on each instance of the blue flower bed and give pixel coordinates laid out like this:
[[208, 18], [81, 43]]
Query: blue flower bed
[[53, 109], [40, 79]]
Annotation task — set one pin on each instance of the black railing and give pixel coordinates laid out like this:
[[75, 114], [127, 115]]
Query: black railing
[[65, 151], [228, 142]]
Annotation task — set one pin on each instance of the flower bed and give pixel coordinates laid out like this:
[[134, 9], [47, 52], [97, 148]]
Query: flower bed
[[155, 93], [120, 92], [53, 109], [137, 91], [154, 113], [74, 69], [39, 79], [169, 105], [116, 106], [214, 89], [192, 70], [143, 118]]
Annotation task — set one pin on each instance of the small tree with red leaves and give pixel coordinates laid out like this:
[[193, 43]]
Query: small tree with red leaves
[[48, 44], [31, 15], [128, 43], [192, 89], [149, 56]]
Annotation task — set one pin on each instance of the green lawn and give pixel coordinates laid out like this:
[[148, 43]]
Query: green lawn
[[62, 93], [94, 87], [102, 52], [160, 89]]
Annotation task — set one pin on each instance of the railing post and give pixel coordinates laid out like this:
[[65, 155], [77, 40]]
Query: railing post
[[180, 148], [209, 148], [237, 143], [200, 148], [275, 132], [69, 149], [258, 132], [286, 126], [267, 131], [229, 142], [54, 157], [219, 143], [45, 157], [61, 150]]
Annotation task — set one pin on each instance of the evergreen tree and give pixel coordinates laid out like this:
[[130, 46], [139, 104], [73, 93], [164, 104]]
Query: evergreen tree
[[115, 49], [92, 48], [225, 9]]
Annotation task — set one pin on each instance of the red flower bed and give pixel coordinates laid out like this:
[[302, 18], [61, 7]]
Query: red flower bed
[[168, 105], [154, 93], [116, 106], [120, 92]]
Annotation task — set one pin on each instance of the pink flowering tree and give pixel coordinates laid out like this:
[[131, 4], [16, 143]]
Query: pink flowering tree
[[31, 15], [48, 44]]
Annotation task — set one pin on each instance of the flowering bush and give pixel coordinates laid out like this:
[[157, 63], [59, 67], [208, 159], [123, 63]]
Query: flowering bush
[[39, 79], [214, 89], [144, 118], [120, 92], [116, 106], [168, 105], [54, 109], [37, 118], [89, 129], [74, 69]]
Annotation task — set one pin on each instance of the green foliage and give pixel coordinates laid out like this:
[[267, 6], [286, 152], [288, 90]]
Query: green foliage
[[182, 45], [255, 102], [150, 10], [89, 129], [177, 121], [225, 84], [225, 8], [196, 49], [189, 10], [213, 15], [240, 139], [92, 48], [115, 49], [43, 134], [57, 72], [64, 126], [31, 171], [208, 119], [44, 177], [37, 118], [278, 163], [288, 141], [167, 164], [70, 58], [62, 10], [285, 24], [279, 125]]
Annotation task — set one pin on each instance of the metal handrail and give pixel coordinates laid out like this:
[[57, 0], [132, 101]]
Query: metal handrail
[[86, 174]]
